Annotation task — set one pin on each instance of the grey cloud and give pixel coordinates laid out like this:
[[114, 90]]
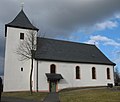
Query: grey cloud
[[58, 18], [1, 65], [61, 18], [7, 10], [66, 16], [2, 50]]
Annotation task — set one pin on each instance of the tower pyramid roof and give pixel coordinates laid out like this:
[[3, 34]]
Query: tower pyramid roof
[[21, 21]]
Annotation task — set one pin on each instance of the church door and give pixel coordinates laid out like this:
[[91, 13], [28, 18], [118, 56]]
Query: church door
[[52, 86]]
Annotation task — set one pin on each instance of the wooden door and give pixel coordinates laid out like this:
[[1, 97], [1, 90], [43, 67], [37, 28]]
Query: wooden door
[[53, 86]]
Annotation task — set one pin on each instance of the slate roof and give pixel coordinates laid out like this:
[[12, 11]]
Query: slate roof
[[21, 21], [65, 51]]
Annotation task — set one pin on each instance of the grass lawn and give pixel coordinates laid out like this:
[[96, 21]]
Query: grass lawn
[[76, 95], [26, 95], [91, 95]]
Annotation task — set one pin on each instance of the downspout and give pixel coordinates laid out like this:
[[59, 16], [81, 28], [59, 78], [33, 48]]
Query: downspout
[[37, 78], [114, 75]]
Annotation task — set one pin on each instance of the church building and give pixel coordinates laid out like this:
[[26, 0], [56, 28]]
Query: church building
[[57, 64]]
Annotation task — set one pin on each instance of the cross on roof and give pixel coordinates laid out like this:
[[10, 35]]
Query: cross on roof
[[22, 5]]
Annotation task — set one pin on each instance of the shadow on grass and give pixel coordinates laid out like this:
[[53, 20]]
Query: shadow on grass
[[25, 95]]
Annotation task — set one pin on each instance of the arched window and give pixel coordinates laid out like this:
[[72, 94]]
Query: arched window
[[93, 73], [77, 72], [52, 68], [108, 73]]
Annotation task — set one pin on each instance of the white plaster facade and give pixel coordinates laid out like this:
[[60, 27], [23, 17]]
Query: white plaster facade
[[14, 78], [67, 70]]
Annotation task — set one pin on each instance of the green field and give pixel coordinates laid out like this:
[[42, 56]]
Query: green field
[[91, 95], [26, 95], [75, 95]]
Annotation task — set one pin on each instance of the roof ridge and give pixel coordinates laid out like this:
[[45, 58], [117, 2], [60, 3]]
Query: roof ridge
[[66, 41]]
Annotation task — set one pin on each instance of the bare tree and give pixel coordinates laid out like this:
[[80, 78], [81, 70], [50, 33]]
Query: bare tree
[[26, 50], [117, 76]]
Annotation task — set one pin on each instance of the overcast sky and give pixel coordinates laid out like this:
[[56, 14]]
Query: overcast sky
[[88, 21]]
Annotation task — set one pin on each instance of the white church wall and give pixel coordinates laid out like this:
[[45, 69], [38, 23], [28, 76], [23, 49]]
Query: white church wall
[[14, 78], [67, 70], [43, 68]]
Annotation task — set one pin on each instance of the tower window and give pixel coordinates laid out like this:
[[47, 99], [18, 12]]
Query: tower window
[[22, 36], [93, 73], [21, 69], [77, 72]]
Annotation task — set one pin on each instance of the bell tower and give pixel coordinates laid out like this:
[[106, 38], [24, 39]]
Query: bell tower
[[16, 72]]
